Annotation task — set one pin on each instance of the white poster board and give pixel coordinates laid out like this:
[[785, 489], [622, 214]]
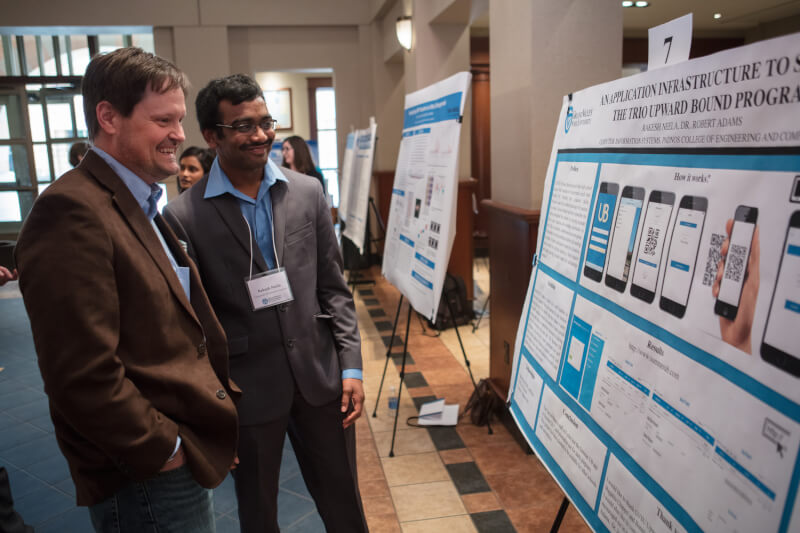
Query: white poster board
[[345, 182], [422, 214], [360, 180], [656, 401]]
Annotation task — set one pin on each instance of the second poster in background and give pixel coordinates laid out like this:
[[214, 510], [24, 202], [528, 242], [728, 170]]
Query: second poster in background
[[421, 228]]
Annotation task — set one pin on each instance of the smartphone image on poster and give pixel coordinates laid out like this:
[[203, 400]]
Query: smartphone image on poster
[[779, 345], [651, 245], [625, 228], [730, 289], [682, 255], [600, 235]]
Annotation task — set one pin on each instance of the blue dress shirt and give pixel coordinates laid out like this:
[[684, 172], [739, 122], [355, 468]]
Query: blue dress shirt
[[258, 213]]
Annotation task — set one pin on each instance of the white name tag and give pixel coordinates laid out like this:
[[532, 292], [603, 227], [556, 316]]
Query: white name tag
[[269, 289]]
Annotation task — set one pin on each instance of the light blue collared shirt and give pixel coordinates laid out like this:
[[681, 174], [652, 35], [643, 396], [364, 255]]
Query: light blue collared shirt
[[147, 195], [258, 213]]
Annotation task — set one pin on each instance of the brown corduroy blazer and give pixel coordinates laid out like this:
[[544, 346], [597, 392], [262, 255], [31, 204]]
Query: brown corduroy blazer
[[128, 361]]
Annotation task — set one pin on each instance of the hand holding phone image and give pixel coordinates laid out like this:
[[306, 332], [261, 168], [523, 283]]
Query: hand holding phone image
[[737, 282]]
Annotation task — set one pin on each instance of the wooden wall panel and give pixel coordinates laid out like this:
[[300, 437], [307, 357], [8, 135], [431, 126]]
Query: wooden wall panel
[[512, 243]]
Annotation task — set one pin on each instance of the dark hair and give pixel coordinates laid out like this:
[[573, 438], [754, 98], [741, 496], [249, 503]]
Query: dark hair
[[303, 161], [205, 156], [76, 152], [236, 88], [121, 77]]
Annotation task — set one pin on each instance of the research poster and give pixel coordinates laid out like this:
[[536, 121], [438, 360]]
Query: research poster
[[657, 366], [422, 213], [346, 178], [360, 180]]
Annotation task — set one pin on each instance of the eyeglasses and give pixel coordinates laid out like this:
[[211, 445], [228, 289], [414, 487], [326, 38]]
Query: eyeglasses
[[249, 127]]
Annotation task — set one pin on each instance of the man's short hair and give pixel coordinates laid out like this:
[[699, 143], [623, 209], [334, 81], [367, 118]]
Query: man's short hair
[[121, 78], [236, 88]]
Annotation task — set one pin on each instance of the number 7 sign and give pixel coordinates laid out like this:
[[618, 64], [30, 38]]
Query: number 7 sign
[[669, 43]]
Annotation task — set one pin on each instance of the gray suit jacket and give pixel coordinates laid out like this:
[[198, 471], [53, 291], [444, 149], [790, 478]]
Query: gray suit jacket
[[296, 340]]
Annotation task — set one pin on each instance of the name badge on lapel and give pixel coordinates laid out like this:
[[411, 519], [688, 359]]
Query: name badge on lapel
[[268, 289]]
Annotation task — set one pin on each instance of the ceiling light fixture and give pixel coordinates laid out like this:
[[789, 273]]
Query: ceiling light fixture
[[627, 3], [641, 3], [717, 15], [404, 31]]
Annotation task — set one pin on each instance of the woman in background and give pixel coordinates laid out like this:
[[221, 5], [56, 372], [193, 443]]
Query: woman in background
[[297, 157], [76, 153], [195, 163]]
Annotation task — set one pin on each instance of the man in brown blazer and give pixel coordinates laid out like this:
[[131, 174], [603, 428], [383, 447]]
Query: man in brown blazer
[[133, 358]]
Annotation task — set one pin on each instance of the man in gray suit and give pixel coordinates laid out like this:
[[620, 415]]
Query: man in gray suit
[[263, 240]]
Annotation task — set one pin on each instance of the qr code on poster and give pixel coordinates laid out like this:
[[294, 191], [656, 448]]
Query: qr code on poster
[[652, 241], [735, 263], [714, 255]]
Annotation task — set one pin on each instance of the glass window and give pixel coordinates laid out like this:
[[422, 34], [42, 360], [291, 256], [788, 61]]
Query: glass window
[[80, 54], [326, 140], [326, 108], [42, 162], [10, 63], [81, 130], [11, 124], [14, 165], [144, 41], [31, 55], [6, 166], [109, 42], [59, 116], [36, 117], [48, 56], [9, 207], [41, 119], [61, 158], [327, 148]]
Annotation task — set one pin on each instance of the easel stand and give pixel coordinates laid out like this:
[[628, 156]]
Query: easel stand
[[560, 516], [402, 369], [483, 312], [403, 364], [464, 353], [354, 275], [388, 356]]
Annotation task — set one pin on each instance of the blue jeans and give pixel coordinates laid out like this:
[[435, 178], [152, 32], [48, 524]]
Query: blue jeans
[[170, 502]]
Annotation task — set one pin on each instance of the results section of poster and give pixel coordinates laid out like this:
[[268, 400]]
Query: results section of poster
[[657, 366]]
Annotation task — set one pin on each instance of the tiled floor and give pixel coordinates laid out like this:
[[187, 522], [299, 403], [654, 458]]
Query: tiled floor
[[439, 480]]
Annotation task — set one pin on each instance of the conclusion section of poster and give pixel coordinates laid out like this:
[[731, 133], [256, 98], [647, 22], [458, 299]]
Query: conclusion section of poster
[[422, 214], [657, 371]]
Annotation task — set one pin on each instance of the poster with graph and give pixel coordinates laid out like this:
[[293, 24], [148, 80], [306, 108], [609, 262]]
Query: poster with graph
[[422, 213]]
